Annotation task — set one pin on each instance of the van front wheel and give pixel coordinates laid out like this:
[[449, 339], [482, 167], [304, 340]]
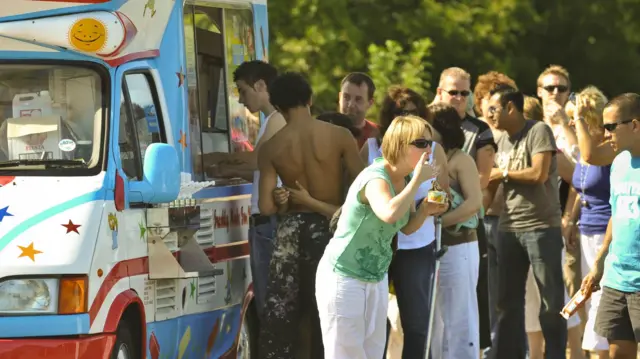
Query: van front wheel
[[124, 348], [248, 338]]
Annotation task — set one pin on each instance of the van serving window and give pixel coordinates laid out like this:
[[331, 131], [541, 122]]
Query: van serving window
[[217, 40]]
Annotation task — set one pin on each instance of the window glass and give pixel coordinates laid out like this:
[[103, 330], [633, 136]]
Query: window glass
[[195, 143], [145, 116], [240, 46], [50, 113], [127, 144]]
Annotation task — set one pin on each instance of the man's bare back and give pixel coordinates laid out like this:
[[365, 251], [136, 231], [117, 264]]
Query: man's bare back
[[313, 152]]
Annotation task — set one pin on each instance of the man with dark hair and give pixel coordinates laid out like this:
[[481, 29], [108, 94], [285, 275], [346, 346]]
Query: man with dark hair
[[529, 230], [356, 97], [493, 207], [252, 79], [311, 153], [618, 317]]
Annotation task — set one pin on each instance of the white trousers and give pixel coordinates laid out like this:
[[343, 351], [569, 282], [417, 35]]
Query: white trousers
[[456, 322], [353, 315], [396, 335], [590, 245]]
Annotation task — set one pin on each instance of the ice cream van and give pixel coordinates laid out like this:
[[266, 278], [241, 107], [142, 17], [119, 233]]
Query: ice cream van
[[113, 243]]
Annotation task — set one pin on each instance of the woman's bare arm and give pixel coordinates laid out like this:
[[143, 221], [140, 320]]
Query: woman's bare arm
[[591, 152], [565, 167], [467, 174], [364, 153]]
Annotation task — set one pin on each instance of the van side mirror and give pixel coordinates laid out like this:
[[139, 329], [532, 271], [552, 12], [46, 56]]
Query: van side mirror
[[161, 181]]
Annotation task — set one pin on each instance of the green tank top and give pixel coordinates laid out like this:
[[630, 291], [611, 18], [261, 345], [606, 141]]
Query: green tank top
[[361, 245]]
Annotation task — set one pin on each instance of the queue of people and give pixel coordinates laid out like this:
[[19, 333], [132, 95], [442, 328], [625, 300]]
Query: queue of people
[[343, 233]]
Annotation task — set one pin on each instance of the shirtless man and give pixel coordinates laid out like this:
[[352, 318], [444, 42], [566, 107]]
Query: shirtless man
[[314, 154]]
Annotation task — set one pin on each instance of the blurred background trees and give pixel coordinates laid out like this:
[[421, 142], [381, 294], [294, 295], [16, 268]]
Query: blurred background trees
[[411, 41]]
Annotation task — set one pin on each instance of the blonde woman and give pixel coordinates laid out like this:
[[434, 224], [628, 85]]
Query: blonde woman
[[351, 282], [587, 217], [412, 269]]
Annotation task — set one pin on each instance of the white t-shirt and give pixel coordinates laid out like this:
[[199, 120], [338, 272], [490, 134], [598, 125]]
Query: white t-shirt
[[256, 174], [427, 233], [571, 151]]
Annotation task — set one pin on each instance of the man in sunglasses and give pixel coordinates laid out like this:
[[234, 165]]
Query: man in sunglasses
[[453, 89], [618, 317], [554, 85], [529, 230]]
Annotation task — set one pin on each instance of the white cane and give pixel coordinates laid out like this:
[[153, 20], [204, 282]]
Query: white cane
[[440, 251]]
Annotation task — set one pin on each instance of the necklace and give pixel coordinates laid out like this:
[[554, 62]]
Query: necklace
[[583, 178]]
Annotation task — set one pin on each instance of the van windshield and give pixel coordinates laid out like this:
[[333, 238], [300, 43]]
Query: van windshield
[[50, 117]]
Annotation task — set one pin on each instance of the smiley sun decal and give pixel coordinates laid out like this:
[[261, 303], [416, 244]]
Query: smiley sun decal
[[88, 35]]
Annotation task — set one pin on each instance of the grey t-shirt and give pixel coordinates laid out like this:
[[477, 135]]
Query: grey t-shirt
[[528, 206]]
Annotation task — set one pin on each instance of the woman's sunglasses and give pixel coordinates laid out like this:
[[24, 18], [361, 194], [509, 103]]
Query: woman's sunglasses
[[421, 143]]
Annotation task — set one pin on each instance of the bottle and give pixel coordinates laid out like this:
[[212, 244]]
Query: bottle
[[574, 304]]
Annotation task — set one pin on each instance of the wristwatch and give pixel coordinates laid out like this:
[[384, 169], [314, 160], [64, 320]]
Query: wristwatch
[[505, 174]]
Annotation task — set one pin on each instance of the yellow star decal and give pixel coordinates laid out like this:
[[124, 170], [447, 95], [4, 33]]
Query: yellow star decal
[[29, 252], [183, 139]]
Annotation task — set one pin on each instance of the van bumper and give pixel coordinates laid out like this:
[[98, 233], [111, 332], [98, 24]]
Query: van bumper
[[86, 347]]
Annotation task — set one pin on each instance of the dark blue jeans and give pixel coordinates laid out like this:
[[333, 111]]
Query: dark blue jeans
[[413, 278], [261, 237], [542, 249]]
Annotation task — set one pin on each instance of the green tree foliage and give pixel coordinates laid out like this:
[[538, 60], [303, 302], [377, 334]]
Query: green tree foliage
[[391, 64], [412, 41]]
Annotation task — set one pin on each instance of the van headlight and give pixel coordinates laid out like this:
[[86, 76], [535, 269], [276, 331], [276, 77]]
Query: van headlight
[[29, 296]]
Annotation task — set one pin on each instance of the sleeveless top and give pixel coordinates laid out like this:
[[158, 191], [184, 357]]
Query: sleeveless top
[[427, 233], [361, 245], [462, 232], [256, 174], [594, 217]]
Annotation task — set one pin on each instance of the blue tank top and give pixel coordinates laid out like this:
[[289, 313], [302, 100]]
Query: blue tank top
[[595, 179], [622, 266]]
